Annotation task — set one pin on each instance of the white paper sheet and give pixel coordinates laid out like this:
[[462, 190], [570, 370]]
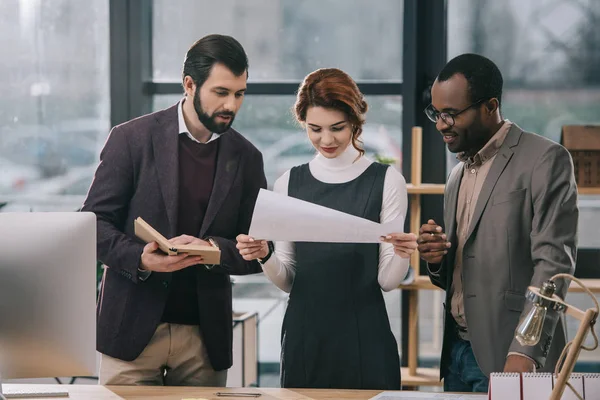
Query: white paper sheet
[[283, 218], [427, 396]]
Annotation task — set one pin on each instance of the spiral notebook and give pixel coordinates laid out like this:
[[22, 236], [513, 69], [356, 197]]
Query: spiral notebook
[[591, 386], [576, 380], [539, 385], [505, 385], [536, 385]]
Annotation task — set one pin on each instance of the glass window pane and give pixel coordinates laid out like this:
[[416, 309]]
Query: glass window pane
[[286, 39], [547, 50], [56, 117], [268, 122]]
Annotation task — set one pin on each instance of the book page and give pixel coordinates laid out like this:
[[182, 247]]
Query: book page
[[143, 230]]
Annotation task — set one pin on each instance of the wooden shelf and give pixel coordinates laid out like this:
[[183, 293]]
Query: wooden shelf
[[592, 284], [420, 283], [588, 190], [423, 377], [425, 188], [438, 188], [424, 283]]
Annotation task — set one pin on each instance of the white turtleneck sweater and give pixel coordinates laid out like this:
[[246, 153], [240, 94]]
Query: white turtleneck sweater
[[393, 270]]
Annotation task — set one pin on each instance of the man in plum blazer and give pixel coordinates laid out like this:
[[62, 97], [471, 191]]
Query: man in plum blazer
[[167, 320]]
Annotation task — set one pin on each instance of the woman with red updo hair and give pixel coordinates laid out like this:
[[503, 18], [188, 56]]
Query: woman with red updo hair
[[336, 332]]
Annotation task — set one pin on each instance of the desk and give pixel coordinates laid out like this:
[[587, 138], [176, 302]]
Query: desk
[[166, 393], [96, 392]]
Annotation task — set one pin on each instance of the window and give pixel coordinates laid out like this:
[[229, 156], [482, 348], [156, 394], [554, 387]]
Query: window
[[57, 115], [294, 38], [268, 122], [548, 52]]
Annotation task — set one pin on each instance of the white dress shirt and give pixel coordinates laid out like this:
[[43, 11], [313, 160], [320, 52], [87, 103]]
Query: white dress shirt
[[183, 129]]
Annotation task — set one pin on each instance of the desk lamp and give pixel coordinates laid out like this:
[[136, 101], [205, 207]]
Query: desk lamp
[[529, 331]]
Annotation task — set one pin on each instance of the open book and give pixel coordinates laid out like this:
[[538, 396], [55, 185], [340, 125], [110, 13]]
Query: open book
[[143, 230]]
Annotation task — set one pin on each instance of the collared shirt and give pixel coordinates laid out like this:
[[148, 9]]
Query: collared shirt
[[476, 169], [183, 129]]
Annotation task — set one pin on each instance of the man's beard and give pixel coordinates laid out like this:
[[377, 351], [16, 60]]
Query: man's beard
[[209, 121]]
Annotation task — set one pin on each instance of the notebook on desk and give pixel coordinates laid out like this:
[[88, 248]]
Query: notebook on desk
[[576, 380], [536, 385], [409, 395], [143, 230], [591, 386], [505, 385]]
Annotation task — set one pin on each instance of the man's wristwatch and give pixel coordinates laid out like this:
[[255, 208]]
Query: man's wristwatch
[[269, 254], [143, 274], [213, 243]]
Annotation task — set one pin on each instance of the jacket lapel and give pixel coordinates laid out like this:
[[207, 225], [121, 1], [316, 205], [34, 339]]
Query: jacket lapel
[[504, 155], [450, 202], [228, 161], [165, 143], [452, 188]]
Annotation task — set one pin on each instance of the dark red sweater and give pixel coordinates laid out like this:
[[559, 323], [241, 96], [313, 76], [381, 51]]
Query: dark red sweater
[[197, 165]]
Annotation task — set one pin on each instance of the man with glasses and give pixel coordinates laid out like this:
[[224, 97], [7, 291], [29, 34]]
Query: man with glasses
[[510, 213]]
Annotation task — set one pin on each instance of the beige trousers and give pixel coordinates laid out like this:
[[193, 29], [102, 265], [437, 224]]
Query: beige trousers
[[175, 356]]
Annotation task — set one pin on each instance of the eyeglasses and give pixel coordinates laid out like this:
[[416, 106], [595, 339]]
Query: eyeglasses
[[448, 118]]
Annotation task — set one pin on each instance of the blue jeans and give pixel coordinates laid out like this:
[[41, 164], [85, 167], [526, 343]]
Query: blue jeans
[[464, 374]]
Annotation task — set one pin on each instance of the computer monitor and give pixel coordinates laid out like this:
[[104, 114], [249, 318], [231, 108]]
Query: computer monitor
[[47, 295]]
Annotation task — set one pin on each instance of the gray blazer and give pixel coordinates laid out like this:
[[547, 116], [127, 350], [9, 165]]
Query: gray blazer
[[523, 231]]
